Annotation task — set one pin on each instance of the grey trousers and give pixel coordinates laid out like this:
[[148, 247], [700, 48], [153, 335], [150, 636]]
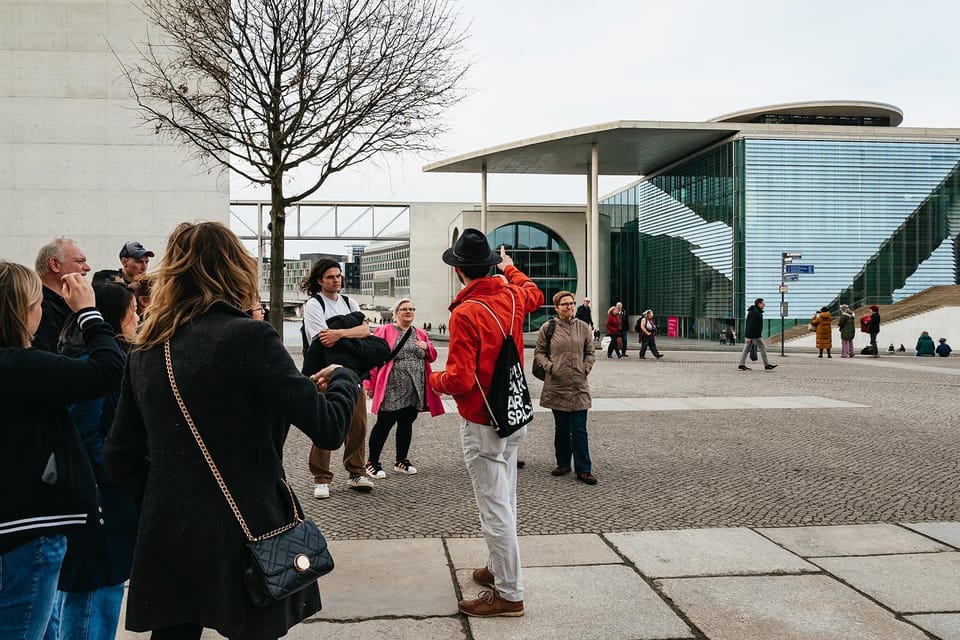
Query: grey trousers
[[761, 347], [492, 464]]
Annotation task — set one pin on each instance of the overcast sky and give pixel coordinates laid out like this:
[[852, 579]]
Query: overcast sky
[[546, 65]]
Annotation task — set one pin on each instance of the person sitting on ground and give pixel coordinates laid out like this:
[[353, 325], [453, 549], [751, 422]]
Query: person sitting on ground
[[925, 346], [943, 349]]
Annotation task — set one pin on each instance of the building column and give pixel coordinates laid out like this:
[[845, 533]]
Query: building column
[[483, 199], [594, 227], [588, 247]]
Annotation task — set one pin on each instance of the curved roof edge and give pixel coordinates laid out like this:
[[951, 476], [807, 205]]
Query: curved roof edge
[[852, 108]]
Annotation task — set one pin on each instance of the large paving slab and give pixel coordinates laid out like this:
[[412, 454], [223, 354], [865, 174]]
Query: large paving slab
[[388, 578], [538, 551], [392, 629], [850, 540], [609, 602], [913, 583], [945, 626], [810, 607], [948, 532], [705, 552]]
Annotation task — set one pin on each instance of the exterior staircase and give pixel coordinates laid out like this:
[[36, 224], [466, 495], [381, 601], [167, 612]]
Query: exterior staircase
[[931, 298]]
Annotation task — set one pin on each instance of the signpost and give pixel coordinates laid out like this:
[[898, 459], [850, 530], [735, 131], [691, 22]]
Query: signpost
[[789, 272]]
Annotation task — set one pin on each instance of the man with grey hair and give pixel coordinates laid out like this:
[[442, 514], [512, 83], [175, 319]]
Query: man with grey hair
[[56, 259]]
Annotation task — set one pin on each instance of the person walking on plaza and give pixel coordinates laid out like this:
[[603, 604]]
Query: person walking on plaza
[[874, 329], [647, 328], [399, 389], [753, 332], [476, 338], [567, 358], [847, 324], [925, 347], [822, 322], [48, 485], [198, 354], [323, 285], [613, 332]]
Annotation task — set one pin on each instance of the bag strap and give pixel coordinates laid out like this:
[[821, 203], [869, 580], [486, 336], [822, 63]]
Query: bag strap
[[548, 335], [513, 311], [297, 519], [399, 345]]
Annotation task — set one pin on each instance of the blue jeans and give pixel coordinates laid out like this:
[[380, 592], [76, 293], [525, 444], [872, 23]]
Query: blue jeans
[[28, 586], [86, 615], [570, 438]]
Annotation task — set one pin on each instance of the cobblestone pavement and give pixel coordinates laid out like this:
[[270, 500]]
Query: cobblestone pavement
[[893, 460]]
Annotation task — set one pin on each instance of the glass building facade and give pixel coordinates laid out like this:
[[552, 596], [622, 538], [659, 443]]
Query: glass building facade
[[544, 257], [700, 241]]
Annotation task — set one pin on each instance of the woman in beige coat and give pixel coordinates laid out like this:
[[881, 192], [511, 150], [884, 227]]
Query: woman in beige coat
[[821, 321], [567, 357]]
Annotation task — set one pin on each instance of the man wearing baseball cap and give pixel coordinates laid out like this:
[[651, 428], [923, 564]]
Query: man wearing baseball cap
[[134, 259]]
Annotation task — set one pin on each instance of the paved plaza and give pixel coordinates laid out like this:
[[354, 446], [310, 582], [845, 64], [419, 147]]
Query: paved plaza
[[817, 500]]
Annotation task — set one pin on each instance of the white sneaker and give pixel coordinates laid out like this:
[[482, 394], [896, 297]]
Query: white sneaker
[[360, 483], [321, 491], [374, 470], [405, 467]]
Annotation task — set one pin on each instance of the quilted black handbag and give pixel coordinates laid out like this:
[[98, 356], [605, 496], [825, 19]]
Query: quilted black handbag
[[278, 563]]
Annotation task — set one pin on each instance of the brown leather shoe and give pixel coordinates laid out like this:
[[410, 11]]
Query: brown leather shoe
[[560, 471], [586, 478], [489, 604], [483, 577]]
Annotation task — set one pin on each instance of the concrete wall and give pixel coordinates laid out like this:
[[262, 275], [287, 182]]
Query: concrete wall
[[75, 162], [939, 323], [433, 226]]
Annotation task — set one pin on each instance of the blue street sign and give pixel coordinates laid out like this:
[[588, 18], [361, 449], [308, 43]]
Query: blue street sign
[[799, 268], [791, 277]]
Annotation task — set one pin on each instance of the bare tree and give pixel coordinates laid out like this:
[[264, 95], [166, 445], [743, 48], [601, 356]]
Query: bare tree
[[265, 87]]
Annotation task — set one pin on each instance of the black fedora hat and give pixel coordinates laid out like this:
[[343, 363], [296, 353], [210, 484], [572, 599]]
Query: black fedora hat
[[471, 250]]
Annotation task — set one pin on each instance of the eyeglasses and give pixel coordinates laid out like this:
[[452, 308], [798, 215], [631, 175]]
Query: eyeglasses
[[407, 309], [566, 304]]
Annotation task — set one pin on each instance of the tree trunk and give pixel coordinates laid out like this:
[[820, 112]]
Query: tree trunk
[[278, 223]]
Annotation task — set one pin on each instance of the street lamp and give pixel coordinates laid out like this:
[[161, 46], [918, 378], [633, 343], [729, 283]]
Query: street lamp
[[786, 258]]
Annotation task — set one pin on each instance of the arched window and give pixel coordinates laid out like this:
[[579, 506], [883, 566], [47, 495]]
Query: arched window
[[544, 256]]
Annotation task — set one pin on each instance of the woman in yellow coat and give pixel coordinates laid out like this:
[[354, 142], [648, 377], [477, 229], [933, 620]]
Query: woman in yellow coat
[[822, 322]]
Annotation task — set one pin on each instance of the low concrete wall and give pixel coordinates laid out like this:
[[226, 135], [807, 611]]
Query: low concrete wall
[[939, 323]]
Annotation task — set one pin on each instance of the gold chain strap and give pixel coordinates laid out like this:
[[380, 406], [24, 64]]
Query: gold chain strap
[[213, 466]]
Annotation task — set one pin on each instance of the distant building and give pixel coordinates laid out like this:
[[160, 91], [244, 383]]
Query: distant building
[[385, 271]]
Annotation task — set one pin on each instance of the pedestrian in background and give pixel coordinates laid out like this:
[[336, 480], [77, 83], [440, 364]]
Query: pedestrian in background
[[821, 322], [400, 390], [925, 347], [613, 332], [584, 313], [567, 360], [753, 332], [943, 349], [624, 328], [647, 328], [847, 323], [874, 329]]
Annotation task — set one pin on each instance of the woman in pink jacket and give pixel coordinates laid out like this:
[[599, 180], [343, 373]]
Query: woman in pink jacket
[[400, 389]]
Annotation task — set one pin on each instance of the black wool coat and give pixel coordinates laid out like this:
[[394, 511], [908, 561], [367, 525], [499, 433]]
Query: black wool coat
[[243, 391]]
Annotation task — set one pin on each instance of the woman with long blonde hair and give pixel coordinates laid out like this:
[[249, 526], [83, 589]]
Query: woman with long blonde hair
[[242, 390], [48, 484]]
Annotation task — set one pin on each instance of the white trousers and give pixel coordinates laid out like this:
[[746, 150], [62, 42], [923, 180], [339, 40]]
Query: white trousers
[[492, 464]]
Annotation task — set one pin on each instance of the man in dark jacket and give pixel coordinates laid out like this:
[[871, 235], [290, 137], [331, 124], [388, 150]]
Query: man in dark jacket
[[752, 331], [584, 313]]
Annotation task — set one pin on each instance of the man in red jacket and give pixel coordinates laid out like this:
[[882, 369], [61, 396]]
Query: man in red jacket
[[475, 342]]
